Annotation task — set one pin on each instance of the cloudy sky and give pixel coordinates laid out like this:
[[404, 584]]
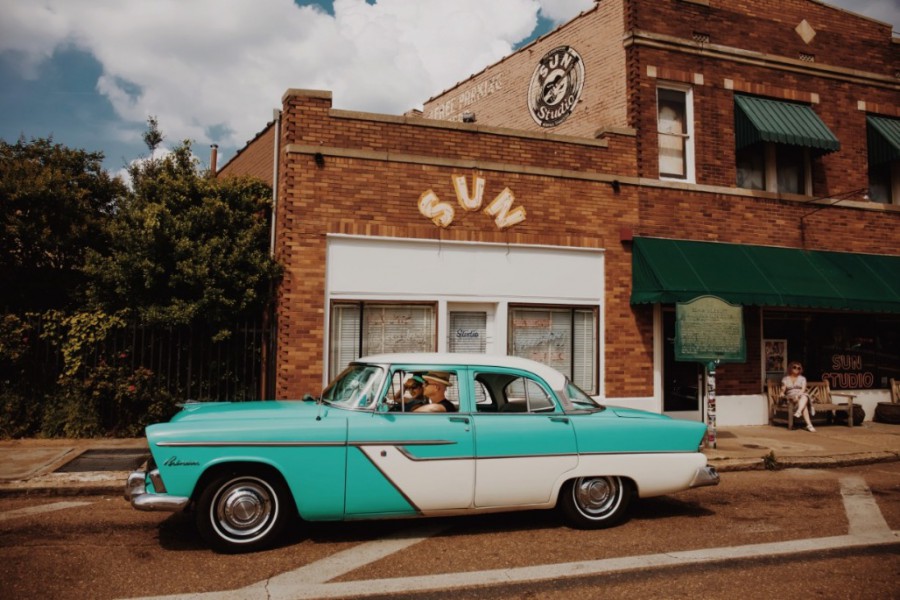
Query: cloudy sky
[[90, 72]]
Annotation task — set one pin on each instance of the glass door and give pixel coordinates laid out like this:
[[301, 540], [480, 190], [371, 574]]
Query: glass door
[[682, 381]]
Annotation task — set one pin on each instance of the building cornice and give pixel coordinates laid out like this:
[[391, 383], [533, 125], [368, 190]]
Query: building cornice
[[588, 176], [659, 41]]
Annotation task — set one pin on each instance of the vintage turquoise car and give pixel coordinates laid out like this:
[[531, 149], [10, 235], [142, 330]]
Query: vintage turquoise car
[[514, 434]]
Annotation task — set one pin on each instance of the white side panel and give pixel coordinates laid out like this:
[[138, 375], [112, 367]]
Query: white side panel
[[654, 474], [517, 481], [428, 484], [381, 267]]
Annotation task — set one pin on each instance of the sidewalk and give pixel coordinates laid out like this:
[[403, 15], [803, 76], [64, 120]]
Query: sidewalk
[[31, 466]]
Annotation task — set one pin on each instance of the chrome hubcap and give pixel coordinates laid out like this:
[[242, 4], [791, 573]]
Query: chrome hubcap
[[596, 496], [245, 508]]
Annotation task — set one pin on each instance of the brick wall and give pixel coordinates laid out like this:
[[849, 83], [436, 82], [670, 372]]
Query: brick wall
[[255, 159], [498, 95], [374, 171], [842, 39], [376, 167]]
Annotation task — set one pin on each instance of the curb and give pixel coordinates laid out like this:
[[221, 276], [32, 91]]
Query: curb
[[68, 484], [726, 465]]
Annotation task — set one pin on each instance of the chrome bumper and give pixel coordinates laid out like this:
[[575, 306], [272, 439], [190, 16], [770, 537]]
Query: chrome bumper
[[705, 476], [136, 494]]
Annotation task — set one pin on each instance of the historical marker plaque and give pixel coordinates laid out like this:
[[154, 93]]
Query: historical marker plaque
[[709, 329]]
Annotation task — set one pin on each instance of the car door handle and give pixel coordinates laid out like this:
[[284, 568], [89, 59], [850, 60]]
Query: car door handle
[[459, 420], [560, 420]]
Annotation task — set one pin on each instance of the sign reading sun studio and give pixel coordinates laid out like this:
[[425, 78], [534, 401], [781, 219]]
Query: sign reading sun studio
[[555, 86]]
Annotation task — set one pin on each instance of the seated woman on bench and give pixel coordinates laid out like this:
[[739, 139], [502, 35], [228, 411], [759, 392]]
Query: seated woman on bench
[[793, 387]]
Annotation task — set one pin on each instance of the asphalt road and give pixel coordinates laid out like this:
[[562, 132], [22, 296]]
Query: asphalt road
[[757, 535]]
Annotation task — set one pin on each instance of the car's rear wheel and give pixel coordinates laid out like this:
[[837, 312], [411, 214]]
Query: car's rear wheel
[[596, 502], [242, 511]]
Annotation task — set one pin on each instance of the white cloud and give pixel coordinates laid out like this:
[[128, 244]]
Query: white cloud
[[561, 11], [213, 70], [224, 64]]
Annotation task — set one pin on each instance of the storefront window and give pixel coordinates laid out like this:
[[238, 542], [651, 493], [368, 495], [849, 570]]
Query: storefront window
[[563, 338], [385, 328], [851, 352]]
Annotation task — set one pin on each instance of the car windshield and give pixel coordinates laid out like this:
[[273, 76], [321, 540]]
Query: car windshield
[[355, 387], [580, 399]]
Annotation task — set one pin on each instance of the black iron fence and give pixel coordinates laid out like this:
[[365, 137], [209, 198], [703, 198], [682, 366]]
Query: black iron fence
[[123, 379]]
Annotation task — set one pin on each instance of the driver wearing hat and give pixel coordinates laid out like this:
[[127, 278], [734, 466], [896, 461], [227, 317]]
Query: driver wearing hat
[[436, 384]]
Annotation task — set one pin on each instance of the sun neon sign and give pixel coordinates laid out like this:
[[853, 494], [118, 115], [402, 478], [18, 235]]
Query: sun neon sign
[[501, 207]]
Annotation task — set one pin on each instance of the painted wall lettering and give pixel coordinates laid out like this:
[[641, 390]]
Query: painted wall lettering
[[452, 109], [501, 207]]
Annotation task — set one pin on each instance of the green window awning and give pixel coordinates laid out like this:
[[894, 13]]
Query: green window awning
[[765, 120], [883, 134], [669, 271]]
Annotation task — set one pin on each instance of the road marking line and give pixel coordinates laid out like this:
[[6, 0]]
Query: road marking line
[[867, 528], [351, 559], [862, 511], [36, 510]]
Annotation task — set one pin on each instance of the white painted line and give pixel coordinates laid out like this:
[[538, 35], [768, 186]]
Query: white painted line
[[36, 510], [862, 512], [352, 559], [450, 581], [867, 528]]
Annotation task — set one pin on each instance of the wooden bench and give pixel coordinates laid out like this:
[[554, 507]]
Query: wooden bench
[[889, 412], [781, 411]]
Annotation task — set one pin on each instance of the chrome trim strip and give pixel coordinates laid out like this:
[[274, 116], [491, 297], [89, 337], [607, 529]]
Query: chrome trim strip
[[304, 444], [402, 450], [248, 444]]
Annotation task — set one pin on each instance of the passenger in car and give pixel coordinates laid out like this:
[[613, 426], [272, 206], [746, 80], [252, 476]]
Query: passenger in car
[[412, 396], [436, 383]]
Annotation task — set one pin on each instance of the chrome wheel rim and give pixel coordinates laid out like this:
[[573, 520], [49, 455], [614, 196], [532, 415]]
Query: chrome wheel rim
[[244, 509], [597, 497]]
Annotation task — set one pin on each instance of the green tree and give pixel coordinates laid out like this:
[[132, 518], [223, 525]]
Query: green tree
[[186, 248], [55, 204]]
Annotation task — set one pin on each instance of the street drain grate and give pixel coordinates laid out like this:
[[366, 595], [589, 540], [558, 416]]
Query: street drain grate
[[112, 459]]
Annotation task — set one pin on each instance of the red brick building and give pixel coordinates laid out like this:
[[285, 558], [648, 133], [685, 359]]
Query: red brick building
[[559, 204]]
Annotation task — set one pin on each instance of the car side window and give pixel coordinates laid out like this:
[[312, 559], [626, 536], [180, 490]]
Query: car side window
[[403, 396], [452, 392], [528, 396]]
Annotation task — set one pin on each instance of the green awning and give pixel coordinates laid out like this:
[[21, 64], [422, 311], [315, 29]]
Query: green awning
[[884, 139], [669, 271], [765, 120]]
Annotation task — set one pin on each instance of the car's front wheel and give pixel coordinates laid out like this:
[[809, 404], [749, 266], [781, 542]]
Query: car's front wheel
[[596, 502], [242, 511]]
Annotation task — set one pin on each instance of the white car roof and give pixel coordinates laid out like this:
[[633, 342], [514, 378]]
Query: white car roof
[[554, 378]]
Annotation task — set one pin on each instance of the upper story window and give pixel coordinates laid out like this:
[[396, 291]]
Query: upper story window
[[883, 135], [674, 127], [774, 168], [775, 142]]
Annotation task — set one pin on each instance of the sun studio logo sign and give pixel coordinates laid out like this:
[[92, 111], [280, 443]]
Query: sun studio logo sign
[[555, 86]]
